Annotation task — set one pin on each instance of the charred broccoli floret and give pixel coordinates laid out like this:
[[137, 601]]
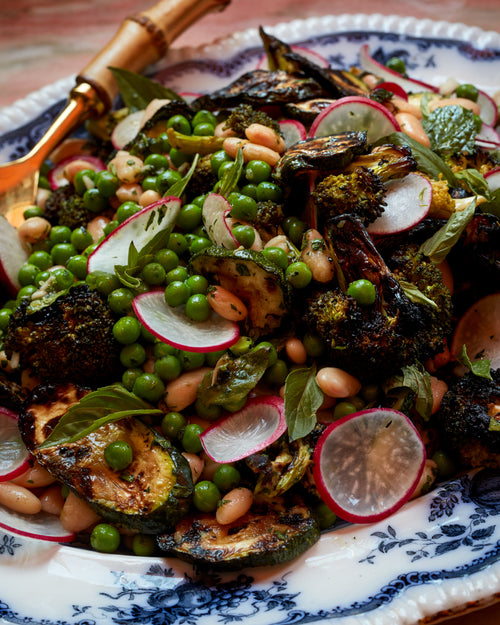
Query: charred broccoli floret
[[468, 418], [369, 341], [269, 219], [203, 178], [410, 266], [241, 117], [68, 339], [359, 188], [66, 208]]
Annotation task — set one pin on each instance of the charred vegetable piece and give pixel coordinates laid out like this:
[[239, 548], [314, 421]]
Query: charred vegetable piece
[[259, 283], [307, 111], [152, 494], [261, 88], [323, 154], [264, 537]]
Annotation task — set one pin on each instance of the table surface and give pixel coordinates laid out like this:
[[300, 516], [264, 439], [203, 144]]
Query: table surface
[[42, 41]]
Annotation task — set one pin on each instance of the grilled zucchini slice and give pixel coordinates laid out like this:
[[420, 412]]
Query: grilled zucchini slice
[[263, 537], [151, 495]]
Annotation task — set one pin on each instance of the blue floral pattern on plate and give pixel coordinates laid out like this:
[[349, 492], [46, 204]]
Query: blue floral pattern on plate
[[439, 552]]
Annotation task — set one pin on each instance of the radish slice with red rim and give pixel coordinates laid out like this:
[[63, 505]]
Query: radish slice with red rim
[[489, 110], [410, 85], [355, 113], [138, 229], [13, 255], [56, 175], [492, 177], [239, 434], [126, 130], [479, 330], [171, 325], [488, 138], [368, 464], [215, 213], [14, 457], [394, 88], [407, 202], [292, 131], [43, 526]]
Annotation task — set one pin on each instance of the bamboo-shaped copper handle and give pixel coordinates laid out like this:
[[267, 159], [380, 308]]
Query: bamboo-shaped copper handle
[[141, 40]]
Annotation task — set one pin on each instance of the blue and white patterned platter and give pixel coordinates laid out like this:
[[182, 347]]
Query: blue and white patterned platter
[[435, 557]]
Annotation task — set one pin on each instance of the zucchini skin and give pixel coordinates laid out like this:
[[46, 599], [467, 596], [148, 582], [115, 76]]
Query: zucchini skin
[[260, 538], [150, 496]]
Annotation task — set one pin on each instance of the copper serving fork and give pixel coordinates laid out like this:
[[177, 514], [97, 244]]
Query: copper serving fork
[[141, 40]]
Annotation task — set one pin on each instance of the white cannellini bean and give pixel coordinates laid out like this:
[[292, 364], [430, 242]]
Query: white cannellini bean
[[336, 382], [196, 464], [35, 477], [96, 226], [296, 351], [127, 168], [77, 515], [263, 135], [34, 229], [412, 126], [181, 392], [315, 255], [226, 304], [52, 500], [234, 505], [19, 499]]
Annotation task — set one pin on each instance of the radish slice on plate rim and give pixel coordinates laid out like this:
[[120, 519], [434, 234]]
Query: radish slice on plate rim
[[355, 113], [171, 325], [368, 464], [239, 434], [14, 457], [56, 175], [407, 202], [43, 526]]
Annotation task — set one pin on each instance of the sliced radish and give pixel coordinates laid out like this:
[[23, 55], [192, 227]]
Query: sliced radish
[[190, 96], [410, 85], [355, 113], [394, 88], [57, 177], [407, 202], [479, 330], [126, 129], [138, 229], [492, 177], [13, 254], [215, 214], [43, 525], [239, 434], [489, 109], [312, 55], [367, 464], [14, 457], [293, 131], [488, 138], [171, 325]]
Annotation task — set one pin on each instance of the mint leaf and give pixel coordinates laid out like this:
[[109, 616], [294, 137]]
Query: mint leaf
[[451, 129], [418, 380], [480, 367], [303, 397], [138, 91]]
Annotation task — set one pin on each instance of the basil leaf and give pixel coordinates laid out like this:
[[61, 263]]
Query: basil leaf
[[303, 397], [441, 242], [475, 181], [107, 404], [229, 180], [415, 295], [418, 380], [480, 367], [428, 161], [138, 91], [177, 189]]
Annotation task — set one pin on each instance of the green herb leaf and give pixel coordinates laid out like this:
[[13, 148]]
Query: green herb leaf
[[303, 397], [441, 242], [415, 295], [418, 380], [451, 129], [475, 181], [428, 161], [229, 180], [494, 425], [178, 188], [480, 367], [138, 91], [107, 404]]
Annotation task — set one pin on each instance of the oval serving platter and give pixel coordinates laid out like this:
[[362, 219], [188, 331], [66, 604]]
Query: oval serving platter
[[438, 556]]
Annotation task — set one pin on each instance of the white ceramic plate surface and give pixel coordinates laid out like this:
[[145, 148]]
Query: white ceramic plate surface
[[437, 556]]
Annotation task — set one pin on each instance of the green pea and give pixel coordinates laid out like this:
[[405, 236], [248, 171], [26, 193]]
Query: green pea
[[178, 274], [27, 274], [445, 463], [173, 425], [244, 235], [178, 157], [199, 200], [242, 206], [60, 234], [273, 354], [211, 358], [197, 307], [326, 517], [268, 191], [294, 228], [149, 386], [118, 455], [143, 545], [204, 117], [161, 349], [149, 183], [257, 171], [63, 278], [210, 412], [153, 273], [105, 538], [132, 355], [189, 217], [25, 293], [94, 201], [298, 274], [120, 300], [167, 258], [226, 477], [178, 243], [343, 408], [102, 281], [191, 438], [84, 180], [110, 226], [277, 256], [313, 345], [107, 183], [363, 291], [197, 284], [397, 64], [167, 368], [198, 244], [250, 189], [62, 252], [467, 91], [127, 330], [206, 496], [275, 375], [216, 160], [126, 210], [191, 360], [5, 314], [180, 123], [41, 277], [81, 238], [130, 376], [166, 179], [242, 346], [203, 130], [32, 211], [157, 162], [177, 293]]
